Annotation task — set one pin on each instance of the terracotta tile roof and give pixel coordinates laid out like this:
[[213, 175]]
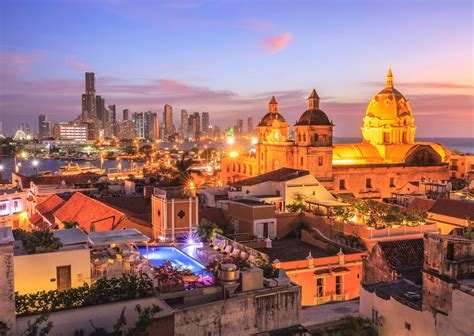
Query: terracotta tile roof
[[421, 204], [453, 208], [136, 208], [280, 175], [403, 254], [86, 211], [50, 205]]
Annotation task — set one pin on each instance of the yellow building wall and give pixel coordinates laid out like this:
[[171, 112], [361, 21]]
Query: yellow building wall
[[37, 272]]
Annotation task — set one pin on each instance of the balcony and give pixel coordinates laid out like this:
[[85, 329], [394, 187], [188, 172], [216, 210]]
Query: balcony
[[322, 299], [340, 297]]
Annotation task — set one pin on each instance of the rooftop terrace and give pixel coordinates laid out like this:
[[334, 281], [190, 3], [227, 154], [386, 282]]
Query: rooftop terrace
[[292, 249]]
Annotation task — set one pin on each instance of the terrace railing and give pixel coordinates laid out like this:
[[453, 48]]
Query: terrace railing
[[220, 239]]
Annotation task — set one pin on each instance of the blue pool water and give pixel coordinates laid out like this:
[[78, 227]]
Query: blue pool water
[[158, 255]]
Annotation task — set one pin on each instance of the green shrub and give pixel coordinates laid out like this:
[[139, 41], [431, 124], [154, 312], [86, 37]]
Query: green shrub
[[127, 287]]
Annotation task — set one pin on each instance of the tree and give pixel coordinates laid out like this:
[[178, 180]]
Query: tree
[[206, 228], [299, 204], [37, 239], [70, 225]]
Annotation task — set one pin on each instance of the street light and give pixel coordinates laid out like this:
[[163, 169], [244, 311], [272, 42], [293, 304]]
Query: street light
[[234, 154], [35, 164]]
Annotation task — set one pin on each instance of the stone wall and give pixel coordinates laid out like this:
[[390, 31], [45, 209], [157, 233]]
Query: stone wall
[[376, 268], [7, 293], [241, 315]]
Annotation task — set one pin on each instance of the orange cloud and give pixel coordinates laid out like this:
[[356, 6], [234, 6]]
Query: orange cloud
[[276, 44], [80, 66]]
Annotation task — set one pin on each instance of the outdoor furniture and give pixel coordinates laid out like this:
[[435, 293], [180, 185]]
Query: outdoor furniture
[[102, 269], [235, 252], [228, 249], [244, 255]]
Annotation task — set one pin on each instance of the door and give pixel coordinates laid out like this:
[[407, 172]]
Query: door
[[63, 276]]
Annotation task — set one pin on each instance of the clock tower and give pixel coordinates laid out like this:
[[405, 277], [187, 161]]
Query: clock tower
[[273, 140]]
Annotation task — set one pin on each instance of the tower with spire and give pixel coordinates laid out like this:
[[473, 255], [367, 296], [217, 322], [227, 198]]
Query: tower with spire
[[389, 79]]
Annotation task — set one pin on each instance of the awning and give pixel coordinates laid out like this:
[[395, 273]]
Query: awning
[[117, 237]]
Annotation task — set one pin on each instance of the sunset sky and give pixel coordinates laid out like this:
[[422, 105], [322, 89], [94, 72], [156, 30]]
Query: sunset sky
[[229, 57]]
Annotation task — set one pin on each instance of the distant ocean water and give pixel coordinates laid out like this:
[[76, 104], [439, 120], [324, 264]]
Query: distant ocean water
[[463, 145]]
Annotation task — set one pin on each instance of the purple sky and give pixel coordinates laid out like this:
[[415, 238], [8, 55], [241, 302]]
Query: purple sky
[[229, 57]]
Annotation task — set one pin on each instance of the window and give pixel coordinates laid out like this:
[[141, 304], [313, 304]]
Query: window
[[304, 137], [339, 284], [228, 168], [245, 169], [250, 170], [386, 137], [299, 136], [320, 161], [407, 326], [320, 287], [368, 183], [301, 161], [3, 208], [181, 214], [316, 137], [342, 184], [450, 252], [392, 182], [375, 316]]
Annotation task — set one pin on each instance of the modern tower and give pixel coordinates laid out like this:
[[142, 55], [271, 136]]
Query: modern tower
[[184, 124], [168, 119], [250, 125], [88, 98], [205, 123], [126, 114]]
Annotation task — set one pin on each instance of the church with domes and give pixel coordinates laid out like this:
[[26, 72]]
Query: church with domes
[[387, 161]]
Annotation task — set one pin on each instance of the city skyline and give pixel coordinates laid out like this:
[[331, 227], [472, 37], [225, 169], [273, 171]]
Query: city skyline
[[259, 52]]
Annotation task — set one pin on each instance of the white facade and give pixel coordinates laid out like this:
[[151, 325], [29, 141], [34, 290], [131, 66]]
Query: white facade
[[72, 132], [12, 207]]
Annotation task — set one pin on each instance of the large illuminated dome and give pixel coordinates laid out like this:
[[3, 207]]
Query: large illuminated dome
[[389, 119]]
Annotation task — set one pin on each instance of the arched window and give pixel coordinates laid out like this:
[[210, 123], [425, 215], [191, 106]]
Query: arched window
[[316, 137], [299, 136], [238, 167], [301, 161], [250, 170], [245, 169], [304, 137], [233, 166]]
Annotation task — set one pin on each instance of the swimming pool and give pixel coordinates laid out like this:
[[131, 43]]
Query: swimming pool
[[157, 255]]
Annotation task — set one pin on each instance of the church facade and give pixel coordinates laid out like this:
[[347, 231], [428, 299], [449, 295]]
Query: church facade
[[386, 161]]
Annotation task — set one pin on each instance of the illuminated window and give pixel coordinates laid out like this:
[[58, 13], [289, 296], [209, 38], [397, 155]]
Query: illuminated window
[[3, 208], [339, 284], [320, 287]]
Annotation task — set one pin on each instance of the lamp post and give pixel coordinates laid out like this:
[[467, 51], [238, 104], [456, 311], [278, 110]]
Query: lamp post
[[35, 164]]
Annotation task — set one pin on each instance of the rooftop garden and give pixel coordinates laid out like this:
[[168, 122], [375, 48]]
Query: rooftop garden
[[37, 241], [127, 287], [378, 215]]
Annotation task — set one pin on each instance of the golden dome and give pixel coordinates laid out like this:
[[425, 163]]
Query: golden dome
[[272, 115], [389, 104]]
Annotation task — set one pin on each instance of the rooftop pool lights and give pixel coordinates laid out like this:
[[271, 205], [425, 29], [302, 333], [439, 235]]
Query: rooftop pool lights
[[157, 255]]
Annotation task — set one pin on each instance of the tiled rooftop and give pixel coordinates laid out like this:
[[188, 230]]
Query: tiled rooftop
[[402, 291], [280, 175], [403, 254]]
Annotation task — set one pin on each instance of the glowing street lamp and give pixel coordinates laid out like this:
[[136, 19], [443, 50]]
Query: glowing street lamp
[[233, 154], [230, 141], [35, 164], [254, 141]]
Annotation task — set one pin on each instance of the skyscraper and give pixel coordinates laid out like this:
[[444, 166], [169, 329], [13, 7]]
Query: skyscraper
[[239, 126], [139, 121], [151, 126], [250, 125], [205, 123], [126, 114], [184, 124], [88, 98], [100, 109], [44, 127], [168, 119], [197, 121]]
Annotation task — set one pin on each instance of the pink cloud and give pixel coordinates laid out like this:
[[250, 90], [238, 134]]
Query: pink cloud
[[16, 61], [181, 5], [80, 66], [277, 43]]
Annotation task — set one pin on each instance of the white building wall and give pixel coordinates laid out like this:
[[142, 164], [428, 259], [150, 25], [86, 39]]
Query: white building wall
[[394, 315]]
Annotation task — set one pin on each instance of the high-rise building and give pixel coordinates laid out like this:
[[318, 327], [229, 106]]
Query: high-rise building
[[184, 124], [126, 114], [151, 126], [139, 122], [44, 127], [1, 127], [197, 120], [168, 119], [100, 109], [88, 98], [239, 127], [250, 125], [205, 123], [125, 129]]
